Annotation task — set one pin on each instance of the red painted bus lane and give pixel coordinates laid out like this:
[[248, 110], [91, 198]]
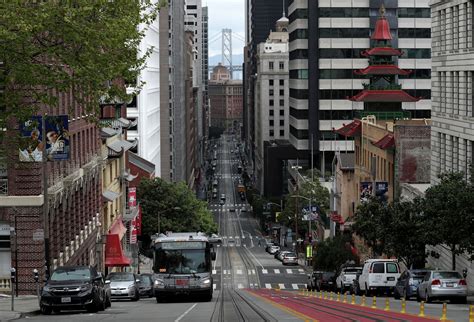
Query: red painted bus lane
[[330, 310]]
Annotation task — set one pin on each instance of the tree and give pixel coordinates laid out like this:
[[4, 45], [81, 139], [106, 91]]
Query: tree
[[449, 208], [331, 254], [175, 206], [50, 47]]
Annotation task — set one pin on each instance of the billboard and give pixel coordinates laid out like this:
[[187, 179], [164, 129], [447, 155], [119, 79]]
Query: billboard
[[55, 143], [365, 191]]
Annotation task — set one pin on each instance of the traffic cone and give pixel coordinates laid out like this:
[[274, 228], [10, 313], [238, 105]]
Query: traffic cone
[[374, 302], [321, 294], [363, 301], [471, 313], [345, 298], [338, 299], [330, 296], [387, 305], [422, 309], [404, 306], [353, 299], [444, 312]]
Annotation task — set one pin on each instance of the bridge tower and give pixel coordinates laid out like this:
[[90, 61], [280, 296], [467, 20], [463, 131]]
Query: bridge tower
[[227, 49]]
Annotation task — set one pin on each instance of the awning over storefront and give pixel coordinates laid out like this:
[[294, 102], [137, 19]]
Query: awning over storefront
[[118, 228], [110, 196], [114, 256]]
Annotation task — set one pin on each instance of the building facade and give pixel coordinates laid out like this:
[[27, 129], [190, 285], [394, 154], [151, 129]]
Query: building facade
[[271, 95], [327, 41]]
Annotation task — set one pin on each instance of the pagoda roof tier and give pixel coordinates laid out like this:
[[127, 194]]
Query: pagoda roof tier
[[382, 51], [351, 129], [384, 96], [382, 30], [388, 141], [382, 70]]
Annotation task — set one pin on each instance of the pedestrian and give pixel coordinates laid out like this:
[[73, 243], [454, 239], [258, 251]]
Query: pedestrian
[[259, 242]]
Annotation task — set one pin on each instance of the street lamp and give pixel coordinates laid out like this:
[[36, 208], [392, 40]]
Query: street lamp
[[297, 168], [163, 212]]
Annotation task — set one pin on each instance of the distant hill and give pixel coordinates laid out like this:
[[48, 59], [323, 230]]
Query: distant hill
[[236, 59]]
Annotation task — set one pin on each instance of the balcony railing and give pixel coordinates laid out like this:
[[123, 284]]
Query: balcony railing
[[3, 186], [382, 87]]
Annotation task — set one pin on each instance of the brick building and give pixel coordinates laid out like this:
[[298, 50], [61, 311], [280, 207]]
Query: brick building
[[74, 195]]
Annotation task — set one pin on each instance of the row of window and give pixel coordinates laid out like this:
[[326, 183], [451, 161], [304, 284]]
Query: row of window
[[271, 92], [271, 112], [359, 33], [271, 102], [359, 13], [281, 81], [272, 122], [334, 53], [271, 133], [323, 135], [271, 65], [346, 114], [350, 74], [342, 94]]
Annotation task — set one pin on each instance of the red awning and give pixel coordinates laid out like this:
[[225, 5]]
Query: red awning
[[113, 252], [382, 51], [396, 95], [388, 141], [382, 70], [382, 30], [118, 228], [351, 129]]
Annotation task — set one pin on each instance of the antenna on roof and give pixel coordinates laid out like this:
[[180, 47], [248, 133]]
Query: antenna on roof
[[284, 13]]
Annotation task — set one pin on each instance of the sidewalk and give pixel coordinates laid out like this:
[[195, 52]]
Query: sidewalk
[[24, 305]]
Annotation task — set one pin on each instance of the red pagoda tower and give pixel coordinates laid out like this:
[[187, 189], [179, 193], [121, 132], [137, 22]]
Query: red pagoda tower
[[383, 94]]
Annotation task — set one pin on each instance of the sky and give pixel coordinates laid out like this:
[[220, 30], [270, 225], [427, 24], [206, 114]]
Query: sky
[[225, 14]]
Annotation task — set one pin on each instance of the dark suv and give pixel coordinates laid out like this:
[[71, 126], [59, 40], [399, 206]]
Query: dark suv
[[72, 288], [319, 280]]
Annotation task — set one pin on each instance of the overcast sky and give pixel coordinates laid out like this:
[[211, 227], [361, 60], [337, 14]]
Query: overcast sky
[[225, 14]]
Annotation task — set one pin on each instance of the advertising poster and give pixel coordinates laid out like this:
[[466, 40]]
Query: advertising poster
[[365, 191], [381, 189], [55, 143]]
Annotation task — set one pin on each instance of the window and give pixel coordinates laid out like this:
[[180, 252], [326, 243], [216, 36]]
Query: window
[[299, 54], [299, 74], [340, 53], [282, 112], [414, 32], [416, 53], [270, 82], [270, 122], [282, 122], [414, 13], [298, 34], [344, 32], [270, 65], [282, 82], [270, 112], [344, 12], [270, 92], [282, 92], [299, 114], [378, 268], [392, 268], [299, 14], [299, 134], [282, 102], [270, 102], [282, 132], [299, 93], [271, 133], [282, 65]]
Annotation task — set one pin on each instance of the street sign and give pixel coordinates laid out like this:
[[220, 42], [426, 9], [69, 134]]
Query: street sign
[[38, 235]]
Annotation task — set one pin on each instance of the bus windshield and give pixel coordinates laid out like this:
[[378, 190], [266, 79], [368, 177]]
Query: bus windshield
[[182, 261]]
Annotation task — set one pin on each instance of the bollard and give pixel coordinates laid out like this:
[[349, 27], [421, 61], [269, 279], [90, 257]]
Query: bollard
[[330, 296], [338, 299], [444, 312], [345, 298], [320, 294], [471, 313], [387, 305], [374, 303], [404, 306], [363, 301], [422, 309], [353, 299], [325, 296]]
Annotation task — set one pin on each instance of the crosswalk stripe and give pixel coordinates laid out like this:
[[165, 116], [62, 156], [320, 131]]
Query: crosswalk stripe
[[253, 272], [289, 271], [214, 286], [281, 286], [214, 272], [267, 285], [239, 272], [295, 286], [264, 271], [277, 271], [240, 286]]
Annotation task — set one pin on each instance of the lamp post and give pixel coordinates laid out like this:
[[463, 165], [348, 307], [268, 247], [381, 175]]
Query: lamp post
[[163, 212], [297, 168]]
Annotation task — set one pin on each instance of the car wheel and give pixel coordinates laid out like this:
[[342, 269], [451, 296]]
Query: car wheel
[[396, 295], [136, 297], [427, 297], [46, 310], [108, 303], [405, 295], [418, 297], [95, 305]]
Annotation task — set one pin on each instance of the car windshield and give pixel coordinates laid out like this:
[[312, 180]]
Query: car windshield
[[186, 261], [419, 275], [290, 254], [352, 271], [121, 277], [447, 275], [71, 274], [145, 280]]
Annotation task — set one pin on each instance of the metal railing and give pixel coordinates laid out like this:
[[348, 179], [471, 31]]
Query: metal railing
[[3, 186]]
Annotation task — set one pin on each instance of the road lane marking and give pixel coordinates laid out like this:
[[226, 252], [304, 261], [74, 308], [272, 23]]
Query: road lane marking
[[214, 272], [258, 262], [281, 286], [267, 285], [239, 272], [240, 286], [214, 286], [185, 313], [301, 270], [253, 272], [295, 286], [277, 271], [289, 271], [264, 271]]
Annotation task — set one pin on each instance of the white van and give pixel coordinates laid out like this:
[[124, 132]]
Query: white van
[[379, 275]]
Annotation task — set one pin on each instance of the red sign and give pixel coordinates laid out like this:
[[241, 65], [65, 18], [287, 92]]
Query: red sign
[[138, 221], [132, 197], [336, 217]]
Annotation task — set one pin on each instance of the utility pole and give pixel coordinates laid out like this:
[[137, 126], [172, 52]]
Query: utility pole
[[45, 199]]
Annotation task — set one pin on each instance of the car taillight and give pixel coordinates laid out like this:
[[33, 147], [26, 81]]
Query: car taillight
[[436, 282], [462, 282]]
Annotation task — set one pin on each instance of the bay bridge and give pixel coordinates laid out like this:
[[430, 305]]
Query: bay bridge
[[226, 36]]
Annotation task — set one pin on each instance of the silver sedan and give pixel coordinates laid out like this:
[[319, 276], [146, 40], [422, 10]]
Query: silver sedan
[[443, 285]]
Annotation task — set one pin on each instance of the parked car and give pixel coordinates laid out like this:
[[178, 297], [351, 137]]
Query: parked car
[[146, 285], [438, 285], [407, 284], [273, 249], [72, 288], [124, 285], [281, 254], [320, 280], [268, 244], [346, 277], [379, 275], [214, 238], [354, 287], [290, 258]]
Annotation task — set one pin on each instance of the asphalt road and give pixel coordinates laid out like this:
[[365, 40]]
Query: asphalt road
[[246, 278]]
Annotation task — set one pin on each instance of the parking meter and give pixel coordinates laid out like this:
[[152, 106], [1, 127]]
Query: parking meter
[[13, 277], [36, 275]]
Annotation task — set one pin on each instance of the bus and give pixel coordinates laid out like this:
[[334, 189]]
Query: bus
[[182, 265]]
